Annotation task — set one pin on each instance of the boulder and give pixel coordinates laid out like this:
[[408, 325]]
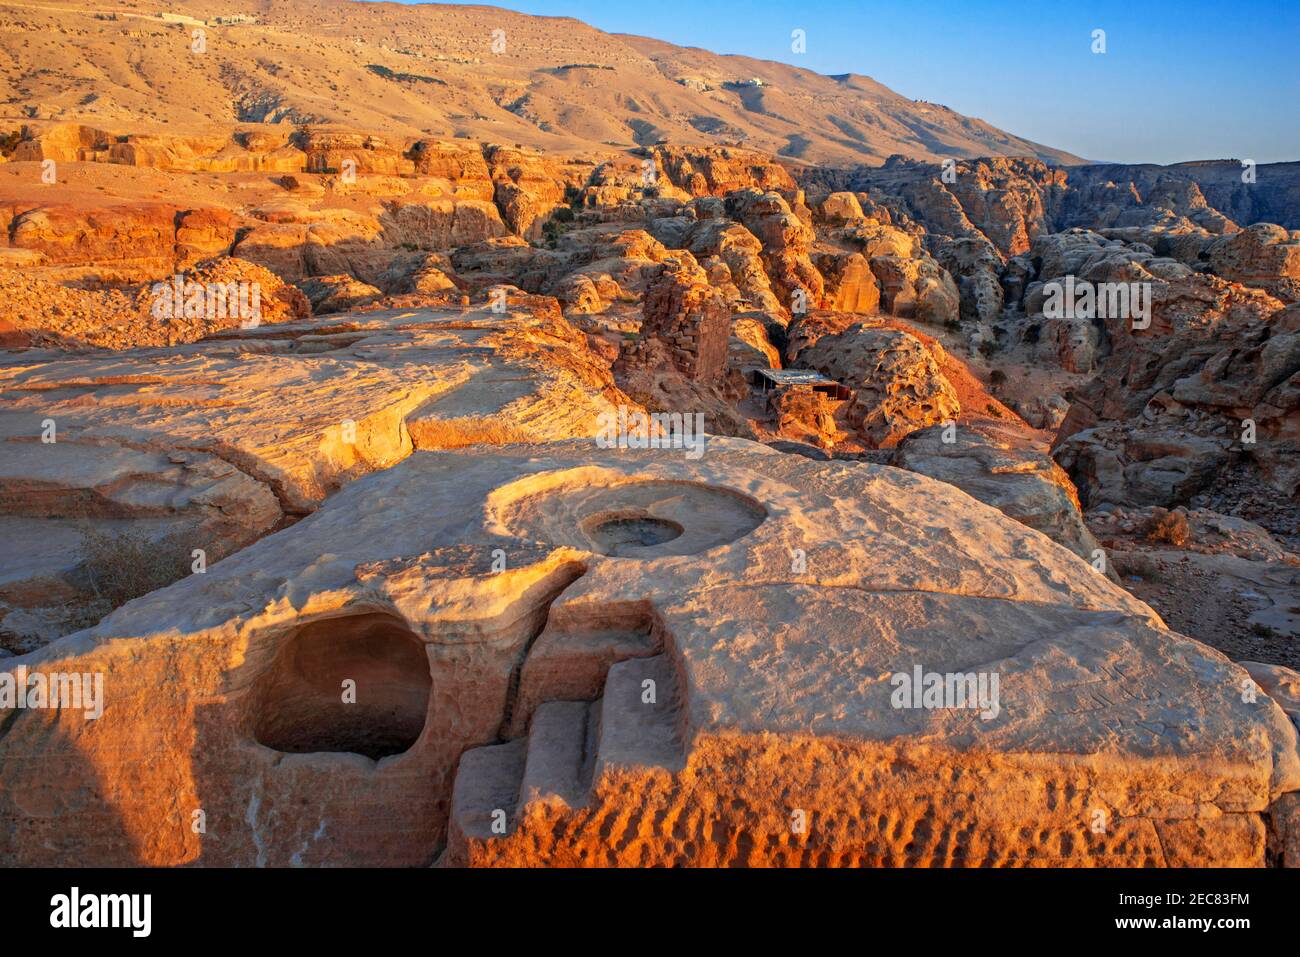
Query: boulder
[[920, 289], [338, 293], [839, 208], [896, 383], [850, 285], [1264, 255], [749, 346]]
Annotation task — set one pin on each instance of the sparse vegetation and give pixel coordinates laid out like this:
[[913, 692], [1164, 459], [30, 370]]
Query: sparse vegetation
[[125, 565], [1171, 528], [560, 222], [388, 74]]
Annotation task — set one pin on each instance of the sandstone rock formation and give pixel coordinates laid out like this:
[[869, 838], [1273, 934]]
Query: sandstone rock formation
[[647, 607], [1217, 367], [849, 283], [896, 382], [918, 288], [338, 293], [686, 321], [1214, 577], [211, 445], [568, 653], [719, 171], [1265, 256], [786, 241], [1010, 201], [215, 295], [998, 465]]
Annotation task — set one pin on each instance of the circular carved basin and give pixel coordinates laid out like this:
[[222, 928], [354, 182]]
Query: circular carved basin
[[591, 510]]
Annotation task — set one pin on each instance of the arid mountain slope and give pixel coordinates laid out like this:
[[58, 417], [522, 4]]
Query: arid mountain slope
[[432, 70]]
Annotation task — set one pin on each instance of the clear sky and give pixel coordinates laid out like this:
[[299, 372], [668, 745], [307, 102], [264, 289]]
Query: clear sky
[[1180, 79]]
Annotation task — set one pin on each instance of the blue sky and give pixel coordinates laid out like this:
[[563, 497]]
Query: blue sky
[[1180, 79]]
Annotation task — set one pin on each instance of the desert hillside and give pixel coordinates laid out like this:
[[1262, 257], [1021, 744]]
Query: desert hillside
[[435, 70]]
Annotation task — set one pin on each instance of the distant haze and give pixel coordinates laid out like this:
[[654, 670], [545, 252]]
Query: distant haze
[[1183, 80]]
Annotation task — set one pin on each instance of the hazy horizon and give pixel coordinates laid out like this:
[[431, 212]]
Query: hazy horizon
[[1178, 82]]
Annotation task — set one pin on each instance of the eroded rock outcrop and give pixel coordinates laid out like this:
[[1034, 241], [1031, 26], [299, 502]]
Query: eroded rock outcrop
[[1214, 577], [896, 383], [1265, 256], [1001, 466], [787, 242], [213, 444], [716, 690], [338, 293], [717, 171], [213, 296], [1206, 413], [686, 321]]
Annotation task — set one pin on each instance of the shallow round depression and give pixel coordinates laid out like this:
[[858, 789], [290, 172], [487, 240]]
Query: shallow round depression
[[641, 518], [622, 533]]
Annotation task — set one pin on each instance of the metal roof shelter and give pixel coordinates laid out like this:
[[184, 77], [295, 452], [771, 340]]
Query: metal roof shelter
[[770, 380]]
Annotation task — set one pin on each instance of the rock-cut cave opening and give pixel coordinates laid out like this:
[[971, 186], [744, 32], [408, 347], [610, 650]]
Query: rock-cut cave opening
[[303, 703]]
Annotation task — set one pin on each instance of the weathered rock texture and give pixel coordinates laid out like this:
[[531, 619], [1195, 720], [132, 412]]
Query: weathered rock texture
[[1001, 466], [644, 699], [897, 385], [213, 444], [1010, 201], [36, 312]]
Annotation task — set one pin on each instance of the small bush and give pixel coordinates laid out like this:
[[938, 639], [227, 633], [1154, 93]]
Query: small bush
[[126, 565], [1172, 527]]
